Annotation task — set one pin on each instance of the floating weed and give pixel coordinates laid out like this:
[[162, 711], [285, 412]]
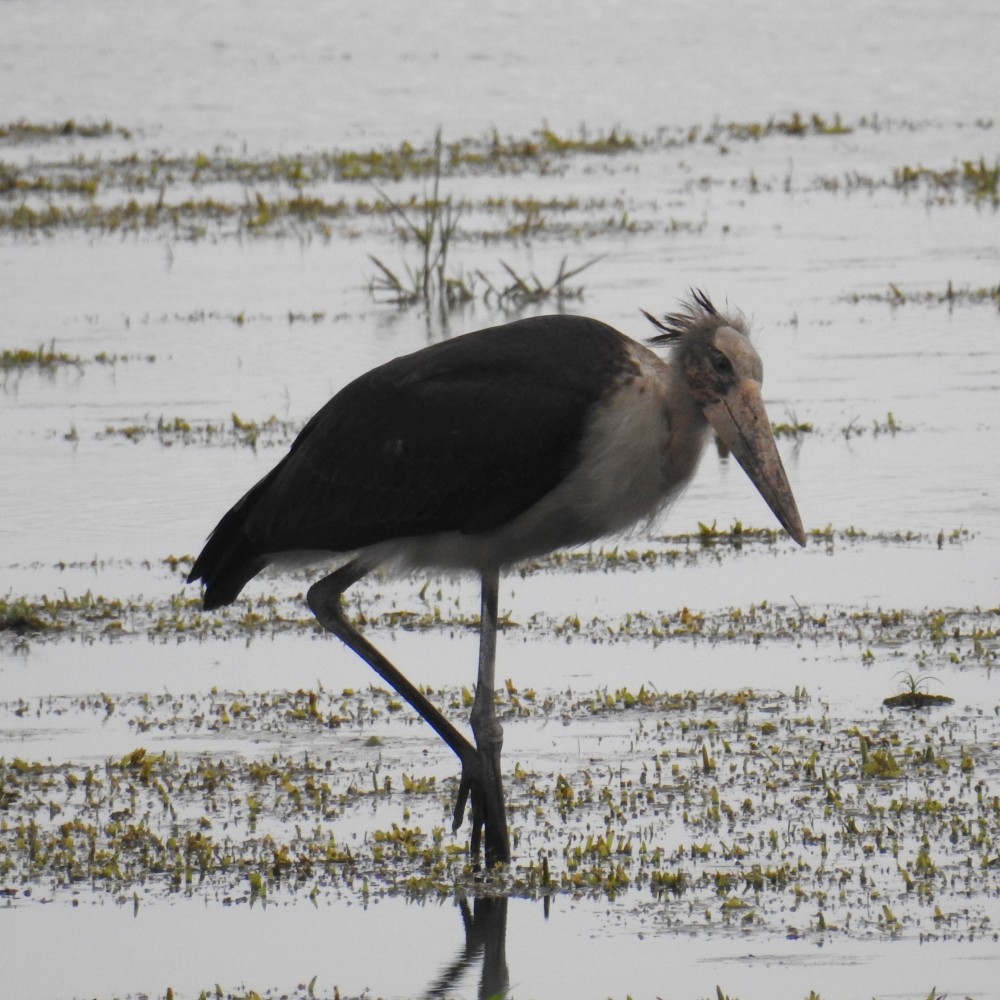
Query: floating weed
[[20, 616], [952, 636], [48, 360], [792, 427], [307, 194], [890, 425], [170, 431], [878, 763], [979, 180], [895, 295], [169, 192], [796, 125], [612, 142], [24, 131], [42, 358], [748, 841], [915, 693]]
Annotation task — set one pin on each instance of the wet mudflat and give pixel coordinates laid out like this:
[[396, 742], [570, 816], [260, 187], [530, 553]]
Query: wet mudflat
[[706, 789]]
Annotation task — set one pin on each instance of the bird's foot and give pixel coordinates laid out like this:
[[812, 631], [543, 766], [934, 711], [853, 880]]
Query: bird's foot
[[481, 783]]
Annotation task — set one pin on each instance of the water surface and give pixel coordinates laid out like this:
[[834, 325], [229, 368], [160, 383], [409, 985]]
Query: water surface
[[844, 273]]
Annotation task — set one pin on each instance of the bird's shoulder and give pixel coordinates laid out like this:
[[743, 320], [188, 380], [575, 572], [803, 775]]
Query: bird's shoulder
[[539, 370], [574, 352]]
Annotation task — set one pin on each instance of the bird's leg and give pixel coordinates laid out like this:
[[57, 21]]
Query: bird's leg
[[324, 600], [480, 763], [488, 813]]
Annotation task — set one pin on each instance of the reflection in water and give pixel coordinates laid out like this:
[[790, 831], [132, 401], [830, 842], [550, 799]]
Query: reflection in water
[[485, 932]]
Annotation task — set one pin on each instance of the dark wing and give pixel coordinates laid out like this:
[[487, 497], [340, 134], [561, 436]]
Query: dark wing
[[461, 436]]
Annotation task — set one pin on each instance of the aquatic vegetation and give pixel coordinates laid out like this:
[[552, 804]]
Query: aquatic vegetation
[[795, 126], [954, 637], [23, 131], [914, 694], [977, 179], [457, 289], [434, 229], [610, 143], [168, 431], [707, 803], [19, 616], [890, 426], [950, 296], [48, 359], [430, 283], [152, 178], [42, 358], [305, 194], [523, 290], [792, 427]]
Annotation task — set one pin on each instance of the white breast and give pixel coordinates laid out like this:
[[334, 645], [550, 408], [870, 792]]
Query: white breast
[[630, 465]]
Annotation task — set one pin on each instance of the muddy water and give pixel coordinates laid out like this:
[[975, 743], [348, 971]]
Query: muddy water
[[844, 273]]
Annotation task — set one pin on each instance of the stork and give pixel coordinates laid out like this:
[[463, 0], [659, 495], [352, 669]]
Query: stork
[[488, 449]]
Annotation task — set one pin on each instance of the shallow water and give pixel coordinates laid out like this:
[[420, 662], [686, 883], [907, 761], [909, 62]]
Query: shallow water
[[808, 234], [248, 72], [334, 942]]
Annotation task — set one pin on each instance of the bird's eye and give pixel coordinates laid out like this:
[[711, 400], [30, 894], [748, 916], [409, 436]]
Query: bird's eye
[[721, 364]]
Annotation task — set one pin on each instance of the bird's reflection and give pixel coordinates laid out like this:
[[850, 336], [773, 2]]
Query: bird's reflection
[[486, 935]]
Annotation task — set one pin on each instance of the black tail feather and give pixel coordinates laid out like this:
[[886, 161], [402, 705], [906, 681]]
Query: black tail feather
[[229, 559]]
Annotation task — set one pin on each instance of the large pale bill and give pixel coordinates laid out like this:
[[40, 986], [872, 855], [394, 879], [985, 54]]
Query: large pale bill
[[740, 420]]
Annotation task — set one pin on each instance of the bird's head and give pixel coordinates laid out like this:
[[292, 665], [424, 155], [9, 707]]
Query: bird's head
[[723, 373]]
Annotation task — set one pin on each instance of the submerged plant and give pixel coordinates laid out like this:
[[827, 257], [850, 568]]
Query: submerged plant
[[434, 229], [42, 358], [792, 427], [530, 289], [433, 225]]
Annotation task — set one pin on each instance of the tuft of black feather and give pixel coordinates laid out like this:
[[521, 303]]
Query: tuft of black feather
[[667, 334], [698, 311]]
